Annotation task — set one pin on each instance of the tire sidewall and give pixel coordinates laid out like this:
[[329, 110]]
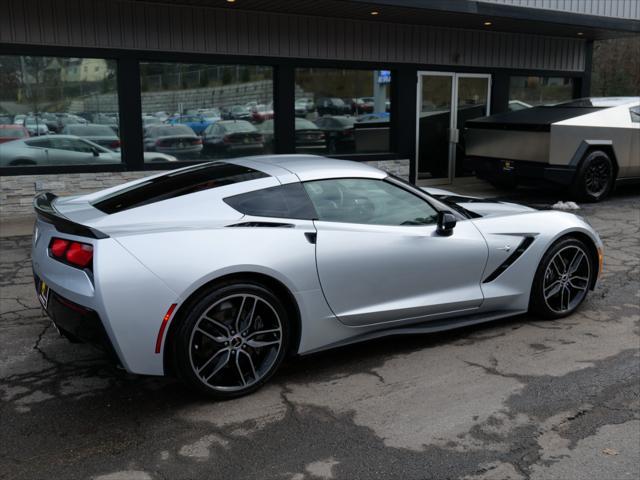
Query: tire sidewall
[[537, 303], [181, 341]]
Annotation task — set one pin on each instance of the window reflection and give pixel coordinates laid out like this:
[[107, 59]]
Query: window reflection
[[342, 111], [58, 111], [198, 111], [527, 92]]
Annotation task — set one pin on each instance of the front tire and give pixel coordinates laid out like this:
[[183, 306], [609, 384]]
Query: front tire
[[562, 279], [232, 340], [595, 177]]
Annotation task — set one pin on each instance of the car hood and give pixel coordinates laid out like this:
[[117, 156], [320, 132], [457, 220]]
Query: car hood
[[484, 207]]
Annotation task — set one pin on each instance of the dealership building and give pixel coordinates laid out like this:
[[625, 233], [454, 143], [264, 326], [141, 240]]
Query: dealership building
[[97, 92]]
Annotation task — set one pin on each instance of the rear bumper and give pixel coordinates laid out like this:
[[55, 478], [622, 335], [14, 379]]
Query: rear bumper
[[518, 171], [77, 323]]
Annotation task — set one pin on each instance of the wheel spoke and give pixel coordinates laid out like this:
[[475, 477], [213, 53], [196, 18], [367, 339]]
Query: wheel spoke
[[240, 314], [217, 324], [576, 261], [208, 335], [555, 265], [573, 279], [552, 289], [253, 368], [244, 382], [219, 366], [565, 304], [251, 316]]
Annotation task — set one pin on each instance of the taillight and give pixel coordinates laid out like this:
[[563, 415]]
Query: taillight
[[115, 144], [74, 253]]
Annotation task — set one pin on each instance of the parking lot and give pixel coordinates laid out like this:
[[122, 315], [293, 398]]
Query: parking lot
[[516, 399]]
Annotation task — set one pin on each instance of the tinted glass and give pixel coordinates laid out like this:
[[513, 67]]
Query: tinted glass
[[171, 185], [365, 201], [635, 114], [284, 201], [196, 96], [44, 94], [347, 96], [532, 91]]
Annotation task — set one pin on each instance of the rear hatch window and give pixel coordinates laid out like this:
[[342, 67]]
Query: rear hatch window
[[171, 185]]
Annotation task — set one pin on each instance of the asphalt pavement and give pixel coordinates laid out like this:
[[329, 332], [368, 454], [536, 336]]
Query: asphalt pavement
[[516, 399]]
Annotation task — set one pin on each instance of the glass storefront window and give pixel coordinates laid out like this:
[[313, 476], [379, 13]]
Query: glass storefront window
[[204, 112], [58, 111], [527, 92], [342, 111]]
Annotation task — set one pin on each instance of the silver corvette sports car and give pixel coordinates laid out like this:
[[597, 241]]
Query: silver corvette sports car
[[216, 272]]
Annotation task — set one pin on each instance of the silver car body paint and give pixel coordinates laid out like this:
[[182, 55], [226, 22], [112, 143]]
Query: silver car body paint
[[356, 281]]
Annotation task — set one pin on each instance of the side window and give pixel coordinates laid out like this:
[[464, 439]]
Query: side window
[[39, 142], [635, 114], [283, 201], [368, 201], [62, 144]]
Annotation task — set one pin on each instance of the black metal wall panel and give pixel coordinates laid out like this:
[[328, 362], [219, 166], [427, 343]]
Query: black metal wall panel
[[149, 26]]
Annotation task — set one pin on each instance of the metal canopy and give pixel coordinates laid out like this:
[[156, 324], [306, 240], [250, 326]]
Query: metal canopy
[[467, 14]]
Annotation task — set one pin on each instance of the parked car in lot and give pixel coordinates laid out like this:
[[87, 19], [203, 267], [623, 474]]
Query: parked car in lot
[[586, 145], [309, 138], [150, 120], [365, 105], [304, 106], [100, 134], [232, 137], [332, 106], [218, 271], [36, 126], [51, 121], [197, 123], [177, 140], [339, 132], [6, 120], [210, 114], [54, 150], [260, 113], [64, 150], [237, 112], [12, 132]]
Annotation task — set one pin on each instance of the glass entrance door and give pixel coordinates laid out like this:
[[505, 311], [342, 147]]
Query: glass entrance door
[[446, 101]]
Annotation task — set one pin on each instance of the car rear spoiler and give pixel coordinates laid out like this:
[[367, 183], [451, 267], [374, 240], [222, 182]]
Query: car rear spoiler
[[43, 205]]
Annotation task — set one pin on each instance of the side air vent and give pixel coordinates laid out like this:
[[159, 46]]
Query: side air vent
[[524, 244], [262, 225]]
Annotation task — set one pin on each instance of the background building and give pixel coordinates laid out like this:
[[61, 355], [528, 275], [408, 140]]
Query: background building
[[389, 82]]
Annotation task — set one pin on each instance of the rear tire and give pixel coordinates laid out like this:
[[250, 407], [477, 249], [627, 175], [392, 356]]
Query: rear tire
[[232, 340], [562, 280], [595, 177]]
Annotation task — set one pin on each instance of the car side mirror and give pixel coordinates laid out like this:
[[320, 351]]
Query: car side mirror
[[446, 223]]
